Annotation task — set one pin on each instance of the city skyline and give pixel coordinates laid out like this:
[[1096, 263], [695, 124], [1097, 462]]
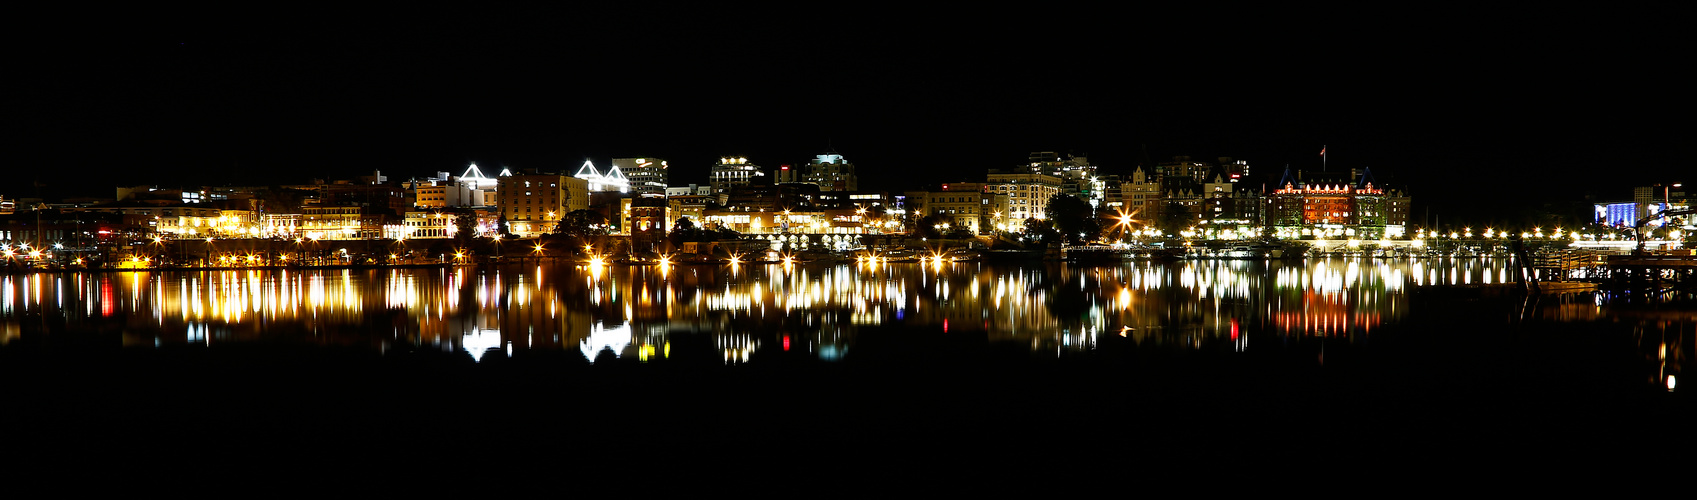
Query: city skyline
[[1501, 118]]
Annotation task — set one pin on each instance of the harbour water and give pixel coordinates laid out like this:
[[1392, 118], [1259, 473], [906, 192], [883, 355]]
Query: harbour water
[[1374, 353]]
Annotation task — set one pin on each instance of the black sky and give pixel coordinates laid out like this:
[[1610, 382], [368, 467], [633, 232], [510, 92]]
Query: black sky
[[1467, 112]]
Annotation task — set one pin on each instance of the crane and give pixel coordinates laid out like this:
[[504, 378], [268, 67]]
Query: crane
[[1638, 228]]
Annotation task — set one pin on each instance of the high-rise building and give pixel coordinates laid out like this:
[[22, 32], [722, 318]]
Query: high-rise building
[[732, 171], [644, 175], [828, 171], [832, 173]]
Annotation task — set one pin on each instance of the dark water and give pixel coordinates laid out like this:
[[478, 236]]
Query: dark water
[[1194, 359]]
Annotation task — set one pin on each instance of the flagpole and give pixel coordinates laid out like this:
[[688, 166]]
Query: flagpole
[[1322, 157]]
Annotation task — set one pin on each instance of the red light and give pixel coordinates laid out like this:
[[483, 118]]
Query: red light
[[786, 342], [945, 326]]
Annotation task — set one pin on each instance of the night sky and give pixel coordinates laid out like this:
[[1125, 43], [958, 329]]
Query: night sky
[[1469, 113]]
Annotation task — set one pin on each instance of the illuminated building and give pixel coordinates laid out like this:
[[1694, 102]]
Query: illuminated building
[[423, 225], [828, 171], [1141, 196], [642, 175], [532, 203], [1335, 204], [280, 225], [1077, 176], [444, 190], [838, 221], [1181, 167], [338, 223], [1028, 194], [647, 220], [479, 189], [967, 205], [731, 172], [690, 190], [1646, 201], [612, 181]]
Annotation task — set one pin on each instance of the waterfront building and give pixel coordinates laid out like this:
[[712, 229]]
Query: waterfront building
[[1327, 204], [424, 225], [339, 223], [967, 205], [834, 221], [1027, 194], [533, 202], [280, 225]]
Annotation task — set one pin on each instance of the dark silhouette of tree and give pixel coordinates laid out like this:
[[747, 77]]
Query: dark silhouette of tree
[[1174, 218], [1040, 231], [927, 226], [1074, 218], [465, 227], [582, 226]]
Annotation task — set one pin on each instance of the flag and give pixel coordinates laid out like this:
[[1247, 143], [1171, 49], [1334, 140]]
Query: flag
[[1322, 151]]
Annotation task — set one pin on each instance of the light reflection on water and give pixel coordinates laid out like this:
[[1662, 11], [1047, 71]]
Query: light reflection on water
[[635, 311]]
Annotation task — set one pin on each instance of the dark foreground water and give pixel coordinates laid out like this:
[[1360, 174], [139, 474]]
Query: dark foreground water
[[1339, 363]]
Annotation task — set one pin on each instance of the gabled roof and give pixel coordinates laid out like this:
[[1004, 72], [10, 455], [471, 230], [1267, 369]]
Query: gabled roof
[[1366, 178], [588, 171], [614, 173], [473, 172], [1288, 179]]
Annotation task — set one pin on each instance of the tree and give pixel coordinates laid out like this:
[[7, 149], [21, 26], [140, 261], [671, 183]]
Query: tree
[[685, 230], [1174, 218], [928, 227], [465, 227], [1074, 218], [1040, 231], [582, 226]]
